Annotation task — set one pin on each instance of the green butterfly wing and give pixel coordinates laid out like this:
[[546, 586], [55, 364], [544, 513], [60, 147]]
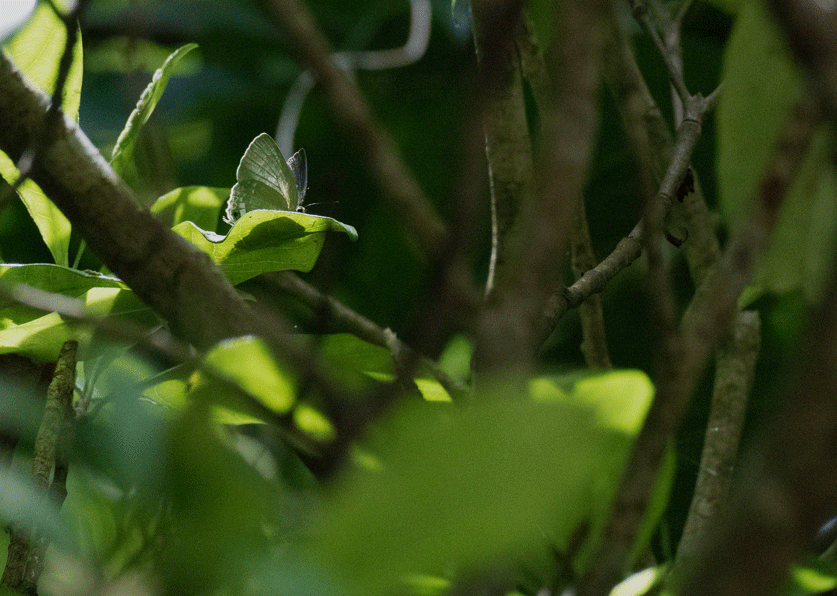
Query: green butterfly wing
[[265, 181]]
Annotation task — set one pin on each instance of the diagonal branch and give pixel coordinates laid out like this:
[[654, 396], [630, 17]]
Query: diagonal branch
[[353, 113], [706, 320]]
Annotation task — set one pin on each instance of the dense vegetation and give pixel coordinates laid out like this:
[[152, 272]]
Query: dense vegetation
[[547, 301]]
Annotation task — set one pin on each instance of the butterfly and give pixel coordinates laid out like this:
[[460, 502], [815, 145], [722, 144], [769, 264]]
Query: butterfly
[[266, 181]]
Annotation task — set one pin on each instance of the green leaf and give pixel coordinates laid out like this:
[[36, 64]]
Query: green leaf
[[198, 204], [49, 278], [802, 248], [124, 149], [37, 50], [619, 400], [28, 331], [246, 363], [460, 489], [263, 241], [759, 78]]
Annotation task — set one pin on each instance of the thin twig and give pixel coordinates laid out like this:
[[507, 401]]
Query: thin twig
[[671, 54], [594, 339], [340, 316]]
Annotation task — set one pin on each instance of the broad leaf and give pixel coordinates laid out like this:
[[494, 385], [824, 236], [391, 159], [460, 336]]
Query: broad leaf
[[460, 489], [29, 331], [263, 241], [124, 149], [761, 78], [36, 50], [198, 204]]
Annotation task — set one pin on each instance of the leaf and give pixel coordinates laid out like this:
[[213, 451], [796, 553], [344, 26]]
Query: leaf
[[759, 79], [263, 241], [620, 400], [246, 363], [460, 489], [49, 278], [124, 149], [762, 79], [36, 50], [28, 331], [198, 204]]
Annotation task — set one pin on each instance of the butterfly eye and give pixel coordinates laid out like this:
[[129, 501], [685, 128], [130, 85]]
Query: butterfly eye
[[298, 163]]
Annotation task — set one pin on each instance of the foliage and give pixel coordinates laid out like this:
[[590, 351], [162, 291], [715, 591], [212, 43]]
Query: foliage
[[337, 459]]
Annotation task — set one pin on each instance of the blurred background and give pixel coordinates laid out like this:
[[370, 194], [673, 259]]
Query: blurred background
[[234, 88]]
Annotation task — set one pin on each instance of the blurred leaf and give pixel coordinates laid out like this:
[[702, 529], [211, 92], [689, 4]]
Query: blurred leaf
[[455, 359], [815, 577], [620, 400], [263, 241], [36, 50], [243, 364], [759, 78], [803, 244], [198, 204], [639, 583], [22, 504], [124, 54], [124, 149], [222, 509], [461, 489]]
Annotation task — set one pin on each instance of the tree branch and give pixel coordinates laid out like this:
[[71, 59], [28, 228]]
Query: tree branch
[[508, 332], [339, 316], [352, 112], [734, 370], [27, 546], [508, 146], [707, 319]]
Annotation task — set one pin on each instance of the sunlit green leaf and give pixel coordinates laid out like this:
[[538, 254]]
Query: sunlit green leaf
[[263, 241], [36, 50], [248, 365], [198, 204], [123, 151], [639, 583], [29, 331], [815, 578]]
